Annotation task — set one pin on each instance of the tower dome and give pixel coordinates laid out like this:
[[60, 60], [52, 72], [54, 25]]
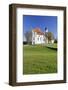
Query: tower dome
[[46, 29]]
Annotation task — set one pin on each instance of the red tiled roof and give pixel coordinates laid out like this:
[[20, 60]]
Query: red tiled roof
[[38, 31]]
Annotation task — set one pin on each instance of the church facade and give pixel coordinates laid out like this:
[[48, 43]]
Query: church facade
[[36, 36]]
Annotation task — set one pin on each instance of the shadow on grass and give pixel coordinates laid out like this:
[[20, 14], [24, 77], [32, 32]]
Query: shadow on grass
[[52, 48]]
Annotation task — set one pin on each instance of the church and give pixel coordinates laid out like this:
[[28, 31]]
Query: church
[[37, 36]]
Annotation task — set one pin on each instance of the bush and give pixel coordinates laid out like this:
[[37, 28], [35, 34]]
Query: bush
[[55, 41], [24, 42]]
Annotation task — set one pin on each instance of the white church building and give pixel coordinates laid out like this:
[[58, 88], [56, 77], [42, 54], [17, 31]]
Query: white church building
[[38, 37]]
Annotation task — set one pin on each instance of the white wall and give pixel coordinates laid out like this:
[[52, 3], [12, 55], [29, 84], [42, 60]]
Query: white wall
[[38, 40], [4, 47]]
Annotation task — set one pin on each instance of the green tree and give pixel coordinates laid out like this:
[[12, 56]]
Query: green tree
[[28, 37], [55, 41], [49, 36]]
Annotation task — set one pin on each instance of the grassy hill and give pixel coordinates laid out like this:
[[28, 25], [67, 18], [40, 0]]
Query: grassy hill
[[39, 59]]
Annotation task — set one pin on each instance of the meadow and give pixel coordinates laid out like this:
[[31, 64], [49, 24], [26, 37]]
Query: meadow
[[38, 59]]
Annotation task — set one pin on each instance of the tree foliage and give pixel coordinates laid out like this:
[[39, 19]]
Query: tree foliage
[[28, 37], [55, 41], [49, 36]]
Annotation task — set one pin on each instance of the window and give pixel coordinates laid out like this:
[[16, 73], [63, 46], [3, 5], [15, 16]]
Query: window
[[40, 38]]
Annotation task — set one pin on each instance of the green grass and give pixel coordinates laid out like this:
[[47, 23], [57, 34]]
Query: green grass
[[52, 45], [39, 60]]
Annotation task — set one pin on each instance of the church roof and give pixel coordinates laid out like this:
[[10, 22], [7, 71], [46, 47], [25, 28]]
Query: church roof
[[38, 31]]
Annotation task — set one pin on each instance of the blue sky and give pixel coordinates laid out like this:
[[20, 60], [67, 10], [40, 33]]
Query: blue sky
[[32, 21]]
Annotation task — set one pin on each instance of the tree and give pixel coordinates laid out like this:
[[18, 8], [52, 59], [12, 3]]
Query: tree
[[55, 41], [24, 39], [49, 36], [28, 37]]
